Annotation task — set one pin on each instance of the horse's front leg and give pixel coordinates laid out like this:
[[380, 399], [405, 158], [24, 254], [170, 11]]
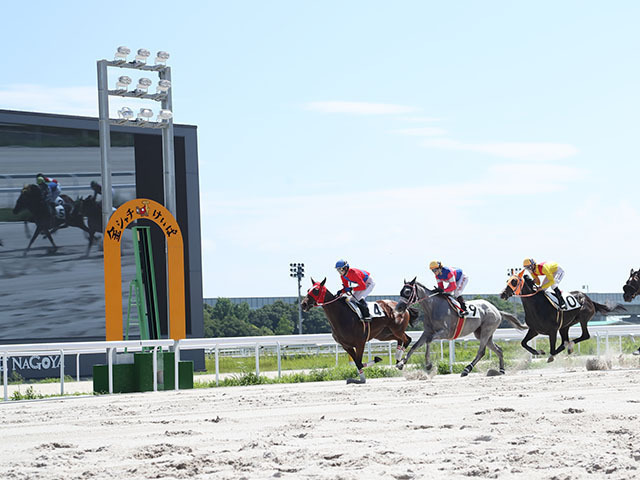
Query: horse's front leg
[[525, 341], [428, 365], [356, 356], [33, 237], [552, 346], [425, 337]]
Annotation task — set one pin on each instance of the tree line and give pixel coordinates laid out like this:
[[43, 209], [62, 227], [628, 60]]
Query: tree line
[[226, 319]]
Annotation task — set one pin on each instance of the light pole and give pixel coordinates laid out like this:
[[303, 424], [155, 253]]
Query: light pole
[[164, 119], [297, 271]]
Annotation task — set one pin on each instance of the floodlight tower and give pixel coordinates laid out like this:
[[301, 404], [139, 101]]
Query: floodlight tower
[[297, 271], [164, 119]]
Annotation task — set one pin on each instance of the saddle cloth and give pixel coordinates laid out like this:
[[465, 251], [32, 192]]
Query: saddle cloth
[[375, 310], [472, 310], [570, 301]]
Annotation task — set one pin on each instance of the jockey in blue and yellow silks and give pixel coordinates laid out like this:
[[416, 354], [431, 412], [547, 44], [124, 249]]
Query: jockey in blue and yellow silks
[[456, 282], [552, 274]]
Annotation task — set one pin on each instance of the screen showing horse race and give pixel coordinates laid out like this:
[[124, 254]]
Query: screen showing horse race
[[51, 261]]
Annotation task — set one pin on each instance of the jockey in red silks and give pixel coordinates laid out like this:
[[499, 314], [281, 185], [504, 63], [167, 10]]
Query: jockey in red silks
[[456, 282], [363, 286]]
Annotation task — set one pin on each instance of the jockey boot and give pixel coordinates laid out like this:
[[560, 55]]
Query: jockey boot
[[560, 299], [463, 306], [364, 308]]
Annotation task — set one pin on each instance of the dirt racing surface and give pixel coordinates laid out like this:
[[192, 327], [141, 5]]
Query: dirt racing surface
[[545, 425]]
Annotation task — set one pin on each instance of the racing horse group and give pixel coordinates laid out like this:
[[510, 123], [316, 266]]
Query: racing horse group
[[443, 322], [47, 222]]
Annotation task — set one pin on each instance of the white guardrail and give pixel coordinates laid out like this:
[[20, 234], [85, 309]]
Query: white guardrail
[[255, 343]]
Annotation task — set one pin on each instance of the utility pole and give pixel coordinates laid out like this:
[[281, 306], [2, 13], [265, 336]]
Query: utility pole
[[297, 271]]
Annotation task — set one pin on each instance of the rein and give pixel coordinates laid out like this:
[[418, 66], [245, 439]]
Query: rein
[[322, 304]]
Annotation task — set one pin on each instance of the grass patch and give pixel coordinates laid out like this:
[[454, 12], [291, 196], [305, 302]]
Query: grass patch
[[315, 375]]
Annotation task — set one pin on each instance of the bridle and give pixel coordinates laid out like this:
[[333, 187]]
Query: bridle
[[633, 283], [319, 299], [413, 297], [517, 288]]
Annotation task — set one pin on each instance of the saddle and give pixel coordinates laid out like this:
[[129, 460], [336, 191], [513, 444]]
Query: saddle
[[375, 310], [570, 301]]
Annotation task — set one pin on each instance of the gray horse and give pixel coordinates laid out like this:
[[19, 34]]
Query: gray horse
[[441, 322]]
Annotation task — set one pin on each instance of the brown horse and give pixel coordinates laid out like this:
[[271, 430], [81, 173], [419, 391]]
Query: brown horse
[[351, 332]]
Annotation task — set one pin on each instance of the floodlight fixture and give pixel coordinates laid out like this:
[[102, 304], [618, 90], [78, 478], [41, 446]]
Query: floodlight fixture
[[142, 55], [125, 113], [123, 82], [165, 115], [143, 85], [163, 86], [162, 57], [145, 114], [121, 53]]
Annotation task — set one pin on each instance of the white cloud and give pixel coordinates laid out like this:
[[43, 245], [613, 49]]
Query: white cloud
[[516, 150], [420, 119], [421, 131], [359, 108]]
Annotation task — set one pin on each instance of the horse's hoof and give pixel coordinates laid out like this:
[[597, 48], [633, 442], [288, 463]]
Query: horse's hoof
[[358, 381], [550, 359], [429, 367], [494, 373], [376, 359], [399, 365], [464, 373]]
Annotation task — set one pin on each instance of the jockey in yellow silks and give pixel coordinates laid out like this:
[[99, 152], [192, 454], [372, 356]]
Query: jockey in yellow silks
[[552, 274]]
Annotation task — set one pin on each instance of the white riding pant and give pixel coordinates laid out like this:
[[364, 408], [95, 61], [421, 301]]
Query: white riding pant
[[557, 277], [360, 294], [460, 286]]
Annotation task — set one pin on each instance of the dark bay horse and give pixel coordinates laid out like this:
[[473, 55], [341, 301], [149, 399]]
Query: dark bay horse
[[632, 287], [351, 332], [543, 317], [92, 210], [32, 200], [440, 322]]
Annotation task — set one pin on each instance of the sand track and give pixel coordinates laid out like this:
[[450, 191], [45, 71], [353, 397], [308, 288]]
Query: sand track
[[548, 425]]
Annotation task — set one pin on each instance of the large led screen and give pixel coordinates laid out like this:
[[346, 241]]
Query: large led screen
[[57, 293]]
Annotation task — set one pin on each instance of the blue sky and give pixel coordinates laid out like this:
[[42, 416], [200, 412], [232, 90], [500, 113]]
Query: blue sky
[[386, 133]]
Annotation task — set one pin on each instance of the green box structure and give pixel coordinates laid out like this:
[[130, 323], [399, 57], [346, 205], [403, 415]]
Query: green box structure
[[138, 376]]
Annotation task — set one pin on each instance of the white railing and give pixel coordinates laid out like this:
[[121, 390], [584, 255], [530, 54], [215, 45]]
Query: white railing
[[78, 348], [256, 344]]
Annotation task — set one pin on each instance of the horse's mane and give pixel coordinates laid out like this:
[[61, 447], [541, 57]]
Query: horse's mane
[[424, 287]]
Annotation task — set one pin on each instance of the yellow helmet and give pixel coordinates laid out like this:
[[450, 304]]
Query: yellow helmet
[[435, 264], [529, 263]]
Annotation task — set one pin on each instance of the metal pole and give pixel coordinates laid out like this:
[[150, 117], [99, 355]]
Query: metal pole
[[217, 366], [5, 378], [110, 368], [257, 360], [61, 372], [105, 142], [299, 306], [155, 369], [78, 367], [177, 364], [279, 360], [452, 354], [168, 154]]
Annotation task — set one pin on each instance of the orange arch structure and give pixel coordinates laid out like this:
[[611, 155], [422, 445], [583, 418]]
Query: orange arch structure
[[142, 208]]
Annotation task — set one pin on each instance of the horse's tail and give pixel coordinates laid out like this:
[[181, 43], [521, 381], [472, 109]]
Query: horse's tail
[[600, 308], [513, 320]]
